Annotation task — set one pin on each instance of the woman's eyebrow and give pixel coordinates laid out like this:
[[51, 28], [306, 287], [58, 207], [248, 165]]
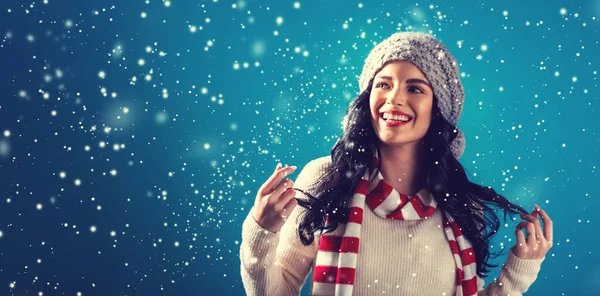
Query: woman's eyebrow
[[412, 80], [415, 80], [384, 77]]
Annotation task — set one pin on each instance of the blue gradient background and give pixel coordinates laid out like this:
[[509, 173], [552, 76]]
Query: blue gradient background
[[224, 103]]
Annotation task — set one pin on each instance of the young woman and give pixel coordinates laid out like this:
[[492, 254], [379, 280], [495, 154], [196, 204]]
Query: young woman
[[391, 211]]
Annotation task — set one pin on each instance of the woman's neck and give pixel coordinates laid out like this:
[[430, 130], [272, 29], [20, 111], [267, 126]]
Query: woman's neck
[[402, 168]]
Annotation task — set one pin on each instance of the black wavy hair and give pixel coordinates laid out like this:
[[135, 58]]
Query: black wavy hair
[[468, 203]]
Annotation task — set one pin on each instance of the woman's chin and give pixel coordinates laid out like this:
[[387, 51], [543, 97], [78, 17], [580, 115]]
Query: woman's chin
[[398, 140]]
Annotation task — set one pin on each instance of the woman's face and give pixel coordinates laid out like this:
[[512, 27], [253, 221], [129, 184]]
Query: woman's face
[[401, 87]]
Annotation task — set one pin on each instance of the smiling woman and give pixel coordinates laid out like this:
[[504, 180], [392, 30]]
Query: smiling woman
[[391, 210], [401, 97]]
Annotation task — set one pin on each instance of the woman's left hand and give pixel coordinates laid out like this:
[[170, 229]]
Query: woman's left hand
[[538, 241]]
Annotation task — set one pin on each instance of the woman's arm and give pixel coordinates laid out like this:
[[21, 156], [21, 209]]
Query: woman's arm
[[516, 276], [278, 263]]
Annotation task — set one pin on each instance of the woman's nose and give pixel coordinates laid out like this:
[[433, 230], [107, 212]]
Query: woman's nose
[[396, 98]]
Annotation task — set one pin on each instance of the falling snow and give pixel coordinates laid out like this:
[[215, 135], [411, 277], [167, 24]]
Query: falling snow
[[134, 136]]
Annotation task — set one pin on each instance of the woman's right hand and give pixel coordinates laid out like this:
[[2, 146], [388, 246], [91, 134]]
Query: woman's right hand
[[274, 204]]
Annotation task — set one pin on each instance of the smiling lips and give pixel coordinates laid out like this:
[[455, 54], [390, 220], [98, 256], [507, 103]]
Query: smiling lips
[[394, 118]]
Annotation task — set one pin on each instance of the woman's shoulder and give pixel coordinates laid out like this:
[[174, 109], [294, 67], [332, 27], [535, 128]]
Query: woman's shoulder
[[318, 165], [321, 161], [313, 171]]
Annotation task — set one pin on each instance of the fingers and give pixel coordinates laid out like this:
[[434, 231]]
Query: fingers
[[530, 229], [282, 202], [519, 233], [284, 198], [537, 228], [545, 233], [274, 178], [289, 207], [521, 225], [282, 187], [548, 232], [537, 242], [534, 213], [531, 239]]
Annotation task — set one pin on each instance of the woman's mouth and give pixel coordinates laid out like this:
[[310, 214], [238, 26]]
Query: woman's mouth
[[397, 122]]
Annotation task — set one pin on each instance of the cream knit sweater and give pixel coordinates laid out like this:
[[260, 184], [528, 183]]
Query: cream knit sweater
[[396, 257]]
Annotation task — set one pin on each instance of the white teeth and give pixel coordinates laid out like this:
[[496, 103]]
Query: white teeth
[[387, 116]]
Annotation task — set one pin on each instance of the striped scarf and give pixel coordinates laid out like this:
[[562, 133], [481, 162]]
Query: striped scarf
[[335, 269]]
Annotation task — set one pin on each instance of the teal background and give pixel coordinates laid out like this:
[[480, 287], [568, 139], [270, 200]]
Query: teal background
[[188, 164]]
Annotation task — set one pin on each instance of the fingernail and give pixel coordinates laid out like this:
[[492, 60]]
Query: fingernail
[[278, 165], [293, 167]]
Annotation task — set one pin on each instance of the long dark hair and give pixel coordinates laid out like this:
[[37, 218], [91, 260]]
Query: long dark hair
[[468, 203]]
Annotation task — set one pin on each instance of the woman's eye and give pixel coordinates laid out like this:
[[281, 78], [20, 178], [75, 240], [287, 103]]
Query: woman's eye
[[381, 84], [415, 88]]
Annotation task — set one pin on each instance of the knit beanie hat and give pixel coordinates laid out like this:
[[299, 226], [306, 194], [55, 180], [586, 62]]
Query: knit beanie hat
[[436, 63]]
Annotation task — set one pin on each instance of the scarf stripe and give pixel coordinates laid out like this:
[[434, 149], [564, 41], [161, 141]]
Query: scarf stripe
[[337, 256], [464, 256]]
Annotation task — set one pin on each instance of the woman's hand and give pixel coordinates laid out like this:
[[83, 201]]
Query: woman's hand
[[274, 204], [538, 241]]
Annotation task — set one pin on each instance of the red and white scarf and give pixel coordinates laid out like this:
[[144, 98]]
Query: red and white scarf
[[335, 269]]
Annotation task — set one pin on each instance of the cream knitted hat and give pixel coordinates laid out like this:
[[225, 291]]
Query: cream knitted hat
[[436, 63]]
